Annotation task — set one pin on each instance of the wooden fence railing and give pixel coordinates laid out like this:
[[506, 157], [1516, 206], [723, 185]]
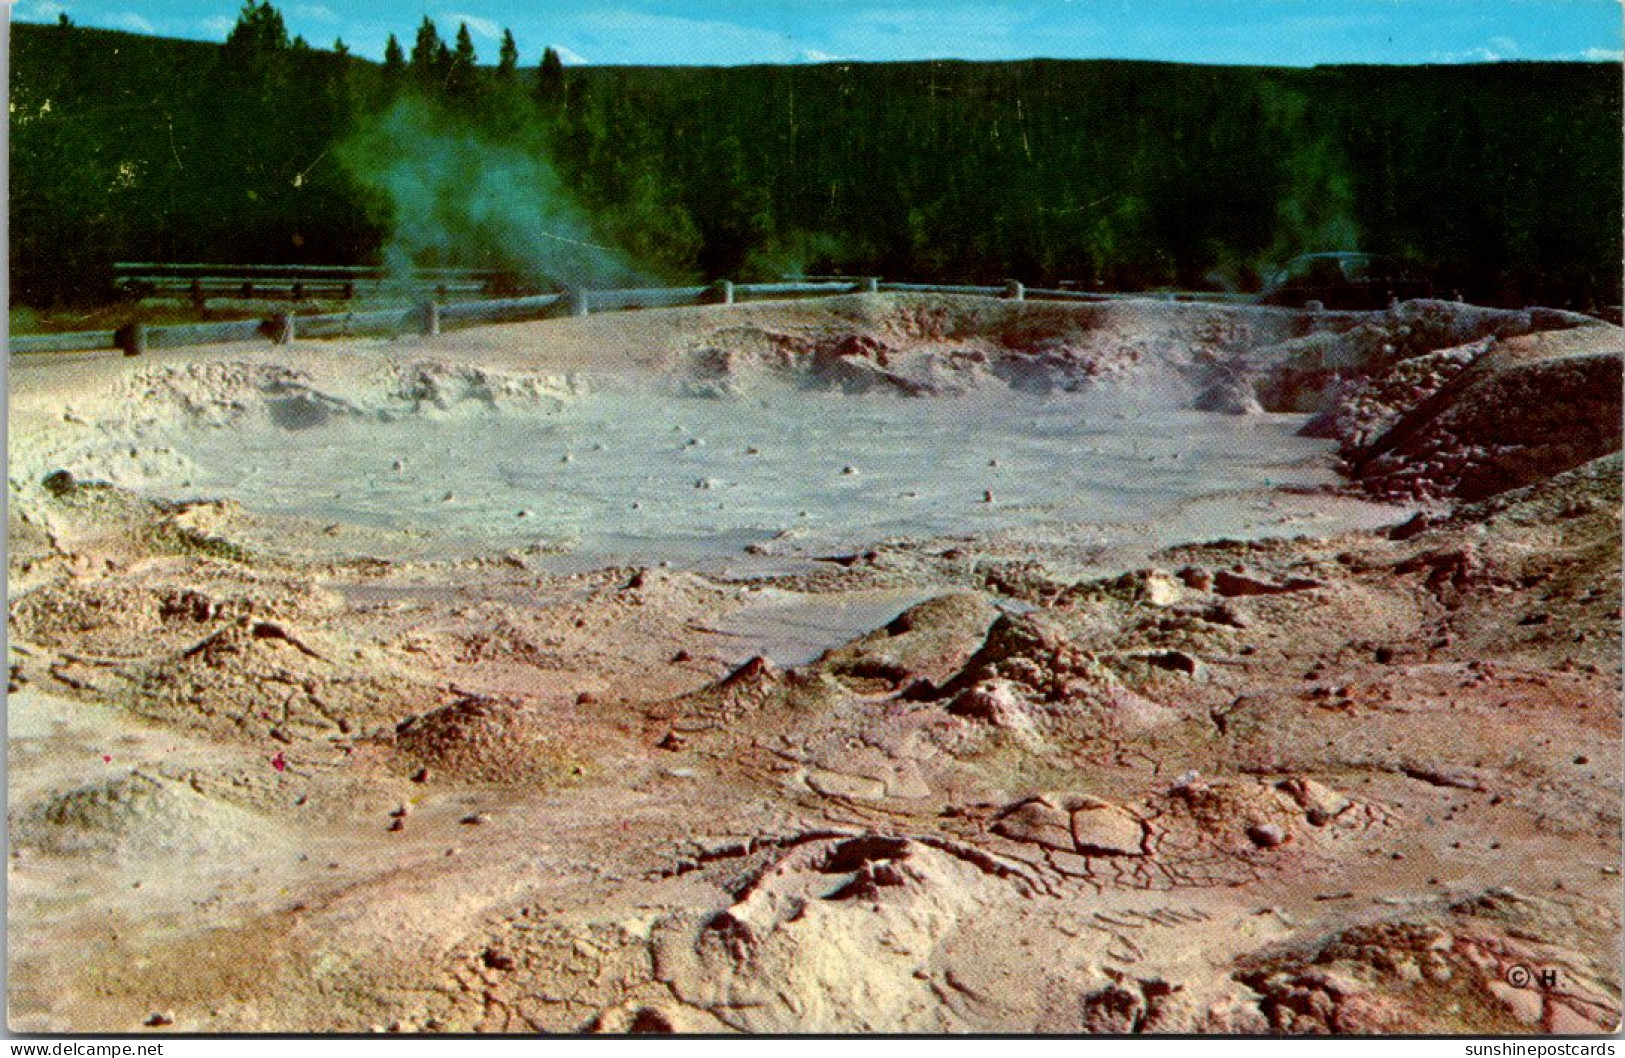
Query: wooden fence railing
[[201, 281], [430, 317]]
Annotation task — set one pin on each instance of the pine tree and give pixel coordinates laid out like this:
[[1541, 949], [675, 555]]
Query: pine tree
[[550, 77], [339, 47], [508, 57], [256, 53], [459, 74], [394, 59], [426, 53], [259, 31], [441, 65]]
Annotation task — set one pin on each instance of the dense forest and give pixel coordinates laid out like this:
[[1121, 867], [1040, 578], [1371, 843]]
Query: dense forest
[[1502, 181]]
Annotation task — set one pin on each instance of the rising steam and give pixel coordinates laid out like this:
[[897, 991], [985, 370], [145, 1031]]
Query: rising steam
[[457, 197]]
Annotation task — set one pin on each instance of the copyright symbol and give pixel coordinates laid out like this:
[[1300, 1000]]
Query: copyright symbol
[[1519, 976]]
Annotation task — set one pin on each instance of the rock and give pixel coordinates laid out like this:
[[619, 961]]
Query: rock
[[1039, 822], [1229, 584], [1113, 1011], [995, 701], [497, 959], [1161, 589], [1417, 524], [1321, 804], [1196, 579], [58, 483], [1230, 397], [1175, 661], [159, 1019], [1266, 835]]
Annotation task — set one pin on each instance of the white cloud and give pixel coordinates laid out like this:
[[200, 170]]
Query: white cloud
[[39, 11], [317, 12], [129, 20], [1470, 55], [814, 55], [571, 58], [480, 27], [1603, 55], [645, 37], [219, 25]]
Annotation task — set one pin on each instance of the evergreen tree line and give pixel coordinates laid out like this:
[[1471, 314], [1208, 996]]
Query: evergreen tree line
[[1502, 181]]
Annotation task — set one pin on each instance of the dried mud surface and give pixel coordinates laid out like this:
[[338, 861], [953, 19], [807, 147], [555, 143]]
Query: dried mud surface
[[1365, 783]]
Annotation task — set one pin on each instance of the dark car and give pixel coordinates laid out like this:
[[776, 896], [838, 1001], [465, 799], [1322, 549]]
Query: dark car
[[1343, 280]]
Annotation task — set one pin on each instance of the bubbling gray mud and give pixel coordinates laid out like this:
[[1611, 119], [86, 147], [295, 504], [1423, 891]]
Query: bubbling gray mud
[[643, 475]]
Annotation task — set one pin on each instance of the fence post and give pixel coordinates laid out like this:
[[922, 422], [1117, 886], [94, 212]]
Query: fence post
[[132, 338], [870, 285], [1015, 291], [579, 304], [431, 318]]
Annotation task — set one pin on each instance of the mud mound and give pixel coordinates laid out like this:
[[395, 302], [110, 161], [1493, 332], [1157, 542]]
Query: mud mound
[[1469, 968], [1233, 359], [1343, 373], [140, 813], [115, 617], [448, 387], [929, 642], [733, 360], [219, 393], [1365, 411], [837, 935], [1506, 423], [1593, 488], [1028, 676], [493, 740], [274, 679]]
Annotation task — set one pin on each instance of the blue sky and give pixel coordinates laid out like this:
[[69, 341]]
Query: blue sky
[[730, 32]]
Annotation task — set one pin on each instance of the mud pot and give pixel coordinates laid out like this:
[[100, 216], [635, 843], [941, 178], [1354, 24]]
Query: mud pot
[[871, 664]]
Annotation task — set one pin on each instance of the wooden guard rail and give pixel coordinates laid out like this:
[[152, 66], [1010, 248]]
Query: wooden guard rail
[[430, 316]]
